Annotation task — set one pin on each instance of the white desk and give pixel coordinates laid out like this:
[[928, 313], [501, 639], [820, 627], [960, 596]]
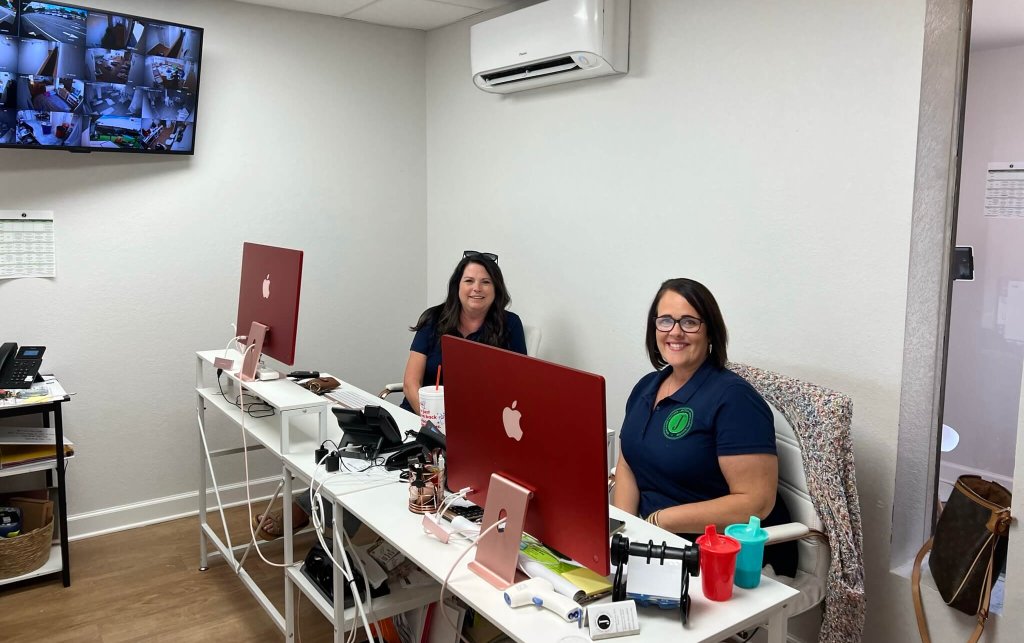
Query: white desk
[[381, 506], [383, 509], [380, 501], [300, 423]]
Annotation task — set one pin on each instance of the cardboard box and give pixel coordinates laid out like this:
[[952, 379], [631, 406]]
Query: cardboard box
[[35, 513]]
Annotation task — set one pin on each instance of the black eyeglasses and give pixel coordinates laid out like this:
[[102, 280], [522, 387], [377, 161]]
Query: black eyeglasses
[[476, 253], [687, 324]]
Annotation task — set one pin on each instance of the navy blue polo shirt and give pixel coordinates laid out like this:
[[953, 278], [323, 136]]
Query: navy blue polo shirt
[[673, 449], [428, 342]]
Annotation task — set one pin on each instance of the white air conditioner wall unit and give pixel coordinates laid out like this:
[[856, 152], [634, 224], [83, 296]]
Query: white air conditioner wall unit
[[556, 41]]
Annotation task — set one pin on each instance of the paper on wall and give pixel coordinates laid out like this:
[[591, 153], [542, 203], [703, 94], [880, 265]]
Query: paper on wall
[[27, 246], [1004, 190], [1013, 329]]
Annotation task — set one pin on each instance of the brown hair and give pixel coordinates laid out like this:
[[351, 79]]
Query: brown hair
[[704, 303]]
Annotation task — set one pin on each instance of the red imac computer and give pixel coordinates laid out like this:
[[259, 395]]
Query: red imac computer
[[268, 304], [529, 438]]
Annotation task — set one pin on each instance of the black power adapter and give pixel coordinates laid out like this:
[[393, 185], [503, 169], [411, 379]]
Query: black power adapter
[[330, 459], [333, 462]]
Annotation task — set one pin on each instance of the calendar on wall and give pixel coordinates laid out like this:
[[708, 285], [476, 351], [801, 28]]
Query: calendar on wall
[[27, 247]]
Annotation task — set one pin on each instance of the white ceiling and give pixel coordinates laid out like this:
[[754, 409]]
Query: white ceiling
[[997, 23], [410, 14]]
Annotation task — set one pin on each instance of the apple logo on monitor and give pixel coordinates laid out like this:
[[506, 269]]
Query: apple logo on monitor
[[510, 418], [266, 287]]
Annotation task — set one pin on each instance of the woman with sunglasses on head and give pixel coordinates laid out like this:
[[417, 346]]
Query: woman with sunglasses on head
[[475, 309], [697, 441]]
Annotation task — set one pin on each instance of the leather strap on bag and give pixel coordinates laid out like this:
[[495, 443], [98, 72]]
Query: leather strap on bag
[[983, 612], [915, 588]]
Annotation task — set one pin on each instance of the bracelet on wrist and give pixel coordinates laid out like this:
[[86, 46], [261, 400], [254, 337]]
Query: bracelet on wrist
[[652, 518]]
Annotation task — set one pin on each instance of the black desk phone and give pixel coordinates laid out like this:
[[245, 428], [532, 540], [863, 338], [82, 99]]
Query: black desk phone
[[19, 367]]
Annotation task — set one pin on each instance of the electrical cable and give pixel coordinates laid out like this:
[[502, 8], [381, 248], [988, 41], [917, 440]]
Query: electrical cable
[[445, 504], [316, 516], [240, 403], [232, 340], [248, 496], [751, 635], [366, 578], [213, 479], [450, 500], [448, 576]]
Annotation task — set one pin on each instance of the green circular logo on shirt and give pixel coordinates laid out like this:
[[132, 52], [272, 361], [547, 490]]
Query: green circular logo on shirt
[[678, 423]]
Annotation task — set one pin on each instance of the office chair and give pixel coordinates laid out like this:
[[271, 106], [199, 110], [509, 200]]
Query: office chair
[[817, 480], [814, 553], [533, 336]]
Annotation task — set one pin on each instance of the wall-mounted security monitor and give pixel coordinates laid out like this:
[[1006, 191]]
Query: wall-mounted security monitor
[[79, 79]]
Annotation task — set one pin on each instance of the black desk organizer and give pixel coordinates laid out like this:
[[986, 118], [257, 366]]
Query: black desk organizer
[[622, 549]]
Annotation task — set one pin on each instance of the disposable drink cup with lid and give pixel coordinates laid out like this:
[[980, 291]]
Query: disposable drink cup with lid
[[717, 564], [748, 562], [432, 406]]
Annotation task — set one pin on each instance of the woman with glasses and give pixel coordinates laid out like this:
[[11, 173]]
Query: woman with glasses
[[475, 309], [697, 441]]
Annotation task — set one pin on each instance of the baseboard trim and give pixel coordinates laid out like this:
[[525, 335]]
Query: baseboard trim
[[950, 471], [150, 512]]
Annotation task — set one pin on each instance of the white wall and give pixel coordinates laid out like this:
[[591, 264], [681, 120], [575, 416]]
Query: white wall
[[984, 369], [766, 149], [310, 135]]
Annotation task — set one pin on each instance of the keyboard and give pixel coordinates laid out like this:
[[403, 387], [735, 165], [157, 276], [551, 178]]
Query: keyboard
[[351, 399], [472, 513]]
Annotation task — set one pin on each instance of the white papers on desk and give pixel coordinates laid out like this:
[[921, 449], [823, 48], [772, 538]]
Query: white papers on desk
[[10, 435], [48, 390], [53, 388], [1004, 190], [27, 246]]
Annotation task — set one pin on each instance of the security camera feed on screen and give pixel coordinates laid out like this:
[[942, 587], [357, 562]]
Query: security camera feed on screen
[[83, 79]]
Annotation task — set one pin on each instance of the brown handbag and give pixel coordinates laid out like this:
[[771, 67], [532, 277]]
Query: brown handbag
[[968, 550]]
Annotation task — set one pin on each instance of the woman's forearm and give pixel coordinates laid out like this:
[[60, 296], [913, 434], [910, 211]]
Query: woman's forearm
[[727, 510]]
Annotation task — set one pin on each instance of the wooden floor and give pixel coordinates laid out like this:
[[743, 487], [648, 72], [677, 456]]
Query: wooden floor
[[145, 585]]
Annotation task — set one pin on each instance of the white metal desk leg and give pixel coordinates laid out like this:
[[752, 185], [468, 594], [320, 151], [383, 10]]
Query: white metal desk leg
[[200, 409], [285, 441], [339, 580], [777, 625], [325, 417], [289, 587]]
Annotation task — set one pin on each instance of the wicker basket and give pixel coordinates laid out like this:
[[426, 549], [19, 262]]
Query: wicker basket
[[25, 553]]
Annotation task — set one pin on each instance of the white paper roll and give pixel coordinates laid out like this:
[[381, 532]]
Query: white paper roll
[[534, 569]]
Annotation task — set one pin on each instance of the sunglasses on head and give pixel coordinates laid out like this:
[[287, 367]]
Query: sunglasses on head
[[475, 253]]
